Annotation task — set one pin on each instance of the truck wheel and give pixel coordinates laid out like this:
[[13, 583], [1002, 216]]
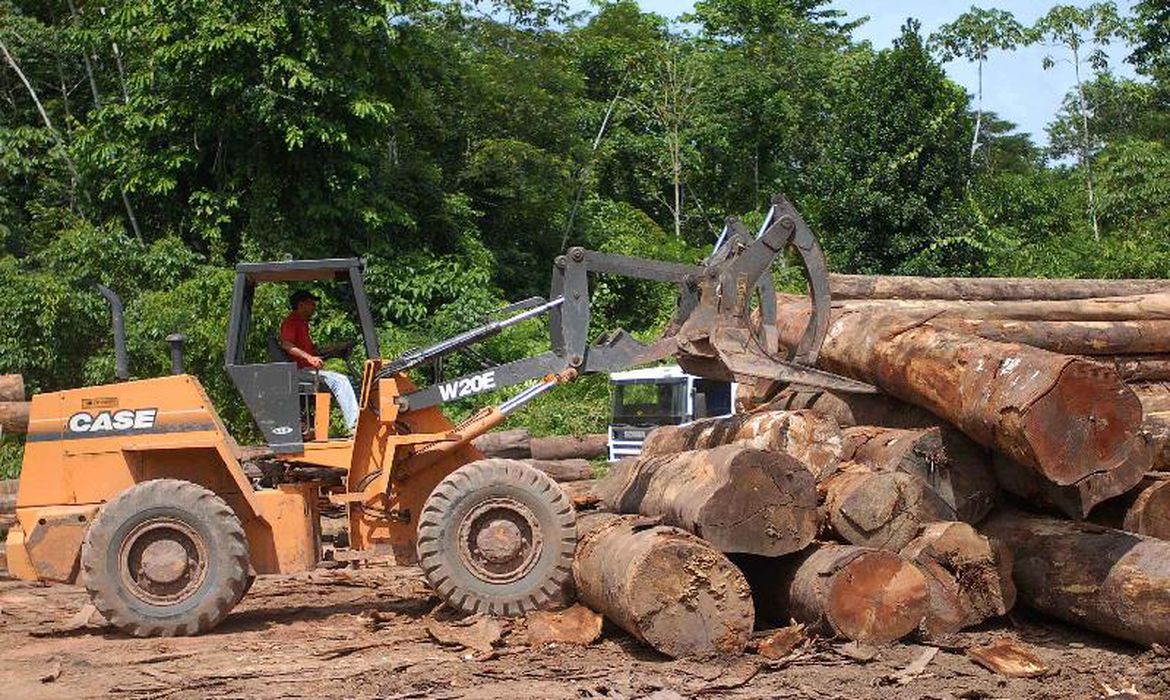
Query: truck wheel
[[165, 558], [497, 536]]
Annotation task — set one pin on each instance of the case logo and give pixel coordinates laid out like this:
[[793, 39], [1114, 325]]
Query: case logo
[[281, 430], [112, 421]]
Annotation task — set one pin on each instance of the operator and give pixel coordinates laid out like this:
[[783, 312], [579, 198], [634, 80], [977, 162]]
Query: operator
[[296, 341]]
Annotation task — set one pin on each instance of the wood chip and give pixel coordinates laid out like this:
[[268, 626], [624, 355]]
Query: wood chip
[[52, 673], [80, 619], [577, 625], [1008, 658], [479, 635], [781, 643], [857, 651], [915, 668]]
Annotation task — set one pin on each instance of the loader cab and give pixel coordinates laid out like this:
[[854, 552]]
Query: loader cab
[[271, 389], [644, 399]]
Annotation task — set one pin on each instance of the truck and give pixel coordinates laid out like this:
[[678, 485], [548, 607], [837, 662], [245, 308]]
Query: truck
[[644, 399]]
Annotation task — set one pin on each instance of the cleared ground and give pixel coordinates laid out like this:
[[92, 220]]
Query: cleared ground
[[362, 633]]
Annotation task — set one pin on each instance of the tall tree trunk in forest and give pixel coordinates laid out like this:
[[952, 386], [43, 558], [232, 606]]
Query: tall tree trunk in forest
[[978, 114], [40, 108], [1086, 163]]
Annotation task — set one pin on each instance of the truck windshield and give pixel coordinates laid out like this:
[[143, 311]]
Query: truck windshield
[[650, 403]]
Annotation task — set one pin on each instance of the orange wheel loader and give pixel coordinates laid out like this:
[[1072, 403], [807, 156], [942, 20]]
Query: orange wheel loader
[[137, 491]]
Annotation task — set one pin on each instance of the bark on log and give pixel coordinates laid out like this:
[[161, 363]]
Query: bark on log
[[878, 509], [662, 585], [866, 595], [986, 288], [562, 469], [1069, 337], [851, 410], [1079, 499], [1152, 307], [1110, 581], [571, 446], [1138, 368], [12, 387], [738, 499], [1143, 511], [970, 577], [510, 444], [14, 416], [580, 494], [810, 437], [1065, 416], [1154, 396], [956, 469]]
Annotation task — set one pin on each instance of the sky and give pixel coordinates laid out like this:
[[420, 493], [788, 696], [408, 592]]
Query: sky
[[1015, 84]]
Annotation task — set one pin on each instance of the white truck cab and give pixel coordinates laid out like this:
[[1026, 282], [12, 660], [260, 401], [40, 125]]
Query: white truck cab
[[643, 399]]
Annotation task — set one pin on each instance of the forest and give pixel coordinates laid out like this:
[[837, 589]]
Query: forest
[[459, 147]]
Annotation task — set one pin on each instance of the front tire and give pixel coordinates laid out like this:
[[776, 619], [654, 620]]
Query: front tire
[[165, 558], [498, 536]]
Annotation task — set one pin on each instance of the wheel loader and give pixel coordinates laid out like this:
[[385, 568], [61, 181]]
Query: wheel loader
[[136, 490]]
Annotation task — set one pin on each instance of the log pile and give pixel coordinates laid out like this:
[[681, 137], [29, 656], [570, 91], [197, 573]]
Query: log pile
[[14, 407], [563, 457]]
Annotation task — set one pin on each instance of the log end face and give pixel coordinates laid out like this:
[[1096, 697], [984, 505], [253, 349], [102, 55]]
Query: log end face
[[877, 598]]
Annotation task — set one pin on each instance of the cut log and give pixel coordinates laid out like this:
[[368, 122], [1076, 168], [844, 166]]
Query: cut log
[[956, 469], [851, 410], [1110, 581], [562, 469], [971, 573], [571, 447], [810, 437], [866, 595], [662, 585], [739, 499], [1069, 337], [1074, 500], [985, 288], [1156, 429], [14, 416], [1154, 396], [1139, 368], [580, 494], [12, 387], [1143, 511], [1145, 307], [878, 509], [1065, 416], [511, 444]]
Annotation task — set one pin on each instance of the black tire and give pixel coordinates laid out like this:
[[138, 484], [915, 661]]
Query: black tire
[[498, 536], [188, 537]]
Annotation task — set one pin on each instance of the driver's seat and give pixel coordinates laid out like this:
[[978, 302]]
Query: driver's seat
[[313, 396]]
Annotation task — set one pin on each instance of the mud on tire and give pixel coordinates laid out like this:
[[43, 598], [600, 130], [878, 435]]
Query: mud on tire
[[498, 536], [165, 558]]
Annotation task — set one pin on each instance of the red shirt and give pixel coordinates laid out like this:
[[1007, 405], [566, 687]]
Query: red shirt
[[295, 330]]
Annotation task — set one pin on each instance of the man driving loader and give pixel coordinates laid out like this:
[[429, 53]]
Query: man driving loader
[[297, 343]]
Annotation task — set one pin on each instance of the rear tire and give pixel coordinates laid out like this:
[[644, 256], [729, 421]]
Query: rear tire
[[165, 558], [498, 536]]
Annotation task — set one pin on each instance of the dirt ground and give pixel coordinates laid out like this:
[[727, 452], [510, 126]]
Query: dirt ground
[[362, 633]]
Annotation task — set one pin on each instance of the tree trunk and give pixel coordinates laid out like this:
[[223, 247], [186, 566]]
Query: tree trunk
[[1142, 307], [866, 595], [986, 288], [1069, 337], [1075, 500], [1154, 396], [957, 470], [1139, 368], [882, 510], [510, 444], [736, 498], [562, 469], [1065, 416], [662, 585], [971, 573], [1107, 580], [851, 410], [12, 387], [571, 447], [1144, 510], [14, 416], [808, 436]]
